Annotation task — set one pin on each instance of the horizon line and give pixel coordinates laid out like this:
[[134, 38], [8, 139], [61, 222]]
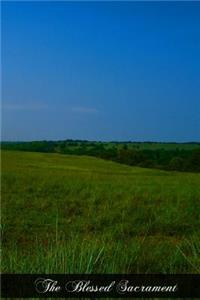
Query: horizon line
[[99, 141]]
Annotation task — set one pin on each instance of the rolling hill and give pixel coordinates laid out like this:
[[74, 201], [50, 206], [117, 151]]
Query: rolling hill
[[79, 214]]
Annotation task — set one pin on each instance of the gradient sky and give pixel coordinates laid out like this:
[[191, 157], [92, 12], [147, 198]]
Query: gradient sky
[[101, 71]]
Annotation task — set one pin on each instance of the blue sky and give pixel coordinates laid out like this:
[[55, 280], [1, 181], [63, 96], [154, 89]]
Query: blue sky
[[101, 71]]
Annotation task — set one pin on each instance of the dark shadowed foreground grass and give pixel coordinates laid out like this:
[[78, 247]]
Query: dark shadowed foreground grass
[[72, 214]]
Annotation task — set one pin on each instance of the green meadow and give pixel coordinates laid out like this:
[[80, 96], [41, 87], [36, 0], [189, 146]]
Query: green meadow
[[79, 214]]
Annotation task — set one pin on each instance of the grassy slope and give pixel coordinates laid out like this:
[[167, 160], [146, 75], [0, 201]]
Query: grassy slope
[[81, 214]]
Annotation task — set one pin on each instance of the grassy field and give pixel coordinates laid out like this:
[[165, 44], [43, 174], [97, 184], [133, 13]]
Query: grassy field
[[78, 214]]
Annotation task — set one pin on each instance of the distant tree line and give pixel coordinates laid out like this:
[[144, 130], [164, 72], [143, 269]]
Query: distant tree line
[[178, 159]]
